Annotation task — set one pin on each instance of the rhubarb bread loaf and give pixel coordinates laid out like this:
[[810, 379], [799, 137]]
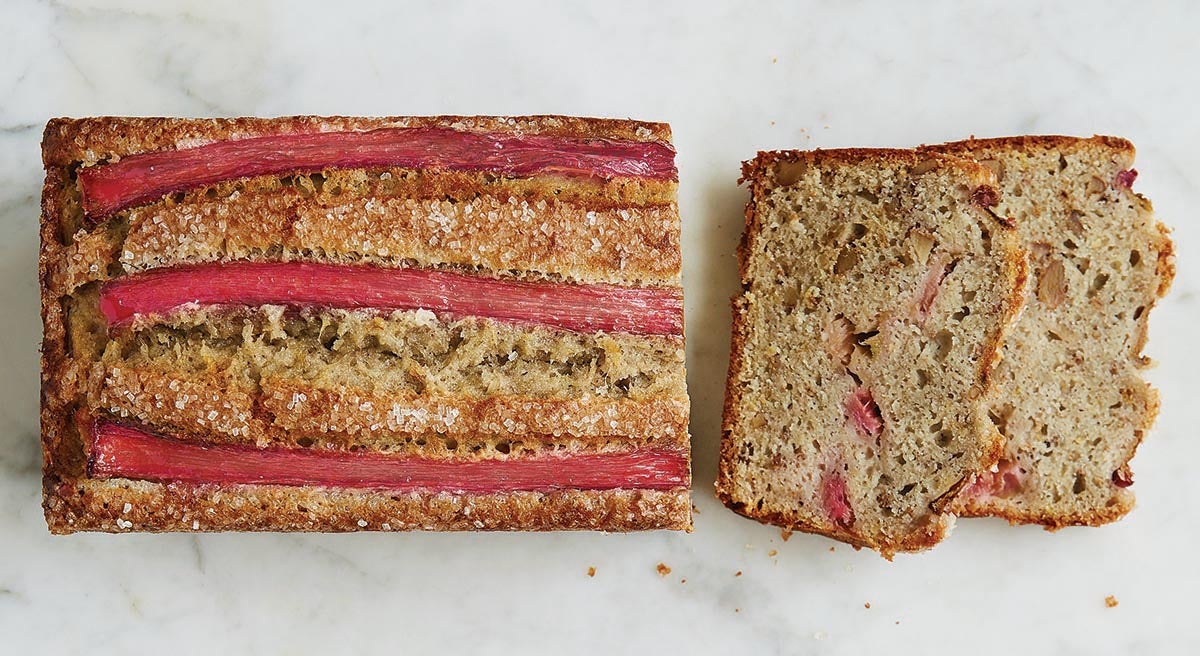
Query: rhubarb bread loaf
[[1072, 403], [338, 324], [877, 287]]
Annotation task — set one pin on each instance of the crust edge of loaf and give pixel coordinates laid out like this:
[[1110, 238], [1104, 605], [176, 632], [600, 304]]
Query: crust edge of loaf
[[753, 172], [121, 506]]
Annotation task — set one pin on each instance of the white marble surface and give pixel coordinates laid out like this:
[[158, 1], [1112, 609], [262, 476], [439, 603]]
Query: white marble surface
[[731, 78]]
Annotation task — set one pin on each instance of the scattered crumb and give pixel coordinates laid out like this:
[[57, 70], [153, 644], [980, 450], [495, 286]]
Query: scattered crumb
[[683, 580], [1111, 601], [831, 549], [591, 571], [772, 122], [774, 60], [772, 553], [739, 573], [867, 605], [737, 610], [786, 534], [663, 570], [897, 622]]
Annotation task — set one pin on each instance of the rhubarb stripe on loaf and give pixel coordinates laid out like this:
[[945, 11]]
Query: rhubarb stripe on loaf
[[123, 451], [109, 188], [583, 308], [439, 323]]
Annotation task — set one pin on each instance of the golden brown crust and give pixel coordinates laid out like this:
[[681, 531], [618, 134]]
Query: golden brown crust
[[1045, 141], [287, 411], [756, 173], [100, 505], [68, 141], [575, 241]]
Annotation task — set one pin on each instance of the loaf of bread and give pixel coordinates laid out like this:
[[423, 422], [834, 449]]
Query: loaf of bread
[[338, 324], [1072, 403], [877, 287]]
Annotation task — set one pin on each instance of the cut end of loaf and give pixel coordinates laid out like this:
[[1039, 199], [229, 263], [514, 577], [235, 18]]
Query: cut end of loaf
[[877, 287], [1072, 403]]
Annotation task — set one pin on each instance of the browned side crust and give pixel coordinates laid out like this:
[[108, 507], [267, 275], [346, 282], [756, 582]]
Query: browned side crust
[[69, 141], [1165, 271], [100, 505], [754, 172]]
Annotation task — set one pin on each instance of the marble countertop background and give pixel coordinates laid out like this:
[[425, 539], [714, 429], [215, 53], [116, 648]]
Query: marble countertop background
[[732, 78]]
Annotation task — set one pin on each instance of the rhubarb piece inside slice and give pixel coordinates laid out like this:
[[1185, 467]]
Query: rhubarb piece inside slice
[[137, 179], [860, 407], [833, 496], [1004, 482], [939, 268], [580, 308], [122, 451]]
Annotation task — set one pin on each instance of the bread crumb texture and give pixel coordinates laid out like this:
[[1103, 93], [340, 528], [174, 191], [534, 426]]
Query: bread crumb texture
[[877, 288], [1072, 402]]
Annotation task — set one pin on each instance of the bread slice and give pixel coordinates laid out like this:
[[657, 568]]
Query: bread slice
[[1072, 403], [877, 287], [340, 324]]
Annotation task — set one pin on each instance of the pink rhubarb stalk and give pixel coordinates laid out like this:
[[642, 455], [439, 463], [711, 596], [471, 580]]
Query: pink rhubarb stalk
[[837, 504], [1005, 481], [864, 413], [138, 179], [1126, 177], [120, 451], [939, 268], [581, 308]]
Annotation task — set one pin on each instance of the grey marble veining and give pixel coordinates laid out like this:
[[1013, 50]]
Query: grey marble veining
[[731, 78]]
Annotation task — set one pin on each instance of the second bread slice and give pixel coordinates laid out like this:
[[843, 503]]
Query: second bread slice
[[878, 286]]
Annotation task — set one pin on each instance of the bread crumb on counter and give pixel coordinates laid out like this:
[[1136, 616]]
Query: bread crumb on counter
[[591, 571], [1111, 601], [663, 570]]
